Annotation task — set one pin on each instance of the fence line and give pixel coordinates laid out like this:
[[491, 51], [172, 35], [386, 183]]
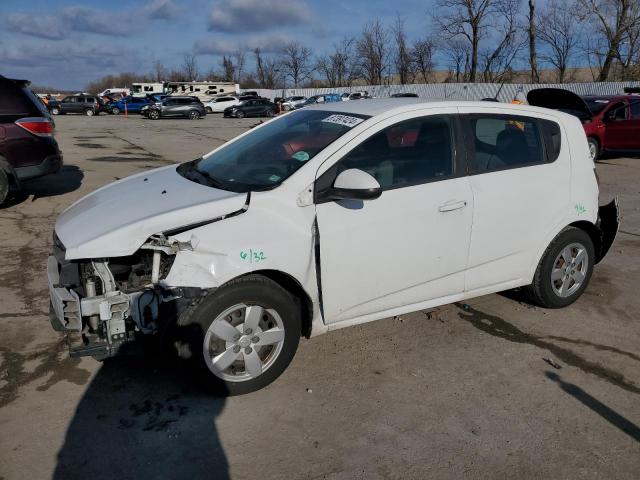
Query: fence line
[[459, 91]]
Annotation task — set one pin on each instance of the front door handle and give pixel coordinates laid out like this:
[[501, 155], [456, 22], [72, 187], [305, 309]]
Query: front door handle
[[453, 205]]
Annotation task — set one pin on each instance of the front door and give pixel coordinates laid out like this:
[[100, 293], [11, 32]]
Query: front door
[[410, 245]]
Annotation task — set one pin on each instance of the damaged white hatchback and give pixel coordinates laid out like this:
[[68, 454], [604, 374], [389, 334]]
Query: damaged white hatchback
[[326, 217]]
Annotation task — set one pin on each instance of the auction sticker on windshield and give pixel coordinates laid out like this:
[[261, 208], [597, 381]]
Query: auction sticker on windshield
[[345, 120]]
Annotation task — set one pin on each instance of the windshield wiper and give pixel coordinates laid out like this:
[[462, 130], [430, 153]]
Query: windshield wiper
[[192, 168]]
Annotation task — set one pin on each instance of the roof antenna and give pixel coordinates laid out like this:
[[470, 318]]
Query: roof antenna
[[494, 99]]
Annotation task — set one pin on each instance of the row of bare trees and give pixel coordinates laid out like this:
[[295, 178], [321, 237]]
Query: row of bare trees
[[468, 41]]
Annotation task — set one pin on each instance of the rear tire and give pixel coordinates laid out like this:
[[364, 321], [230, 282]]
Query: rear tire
[[233, 353], [564, 270], [594, 148], [194, 115], [4, 186]]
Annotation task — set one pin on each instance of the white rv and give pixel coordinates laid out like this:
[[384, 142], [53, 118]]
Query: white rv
[[144, 89], [203, 90]]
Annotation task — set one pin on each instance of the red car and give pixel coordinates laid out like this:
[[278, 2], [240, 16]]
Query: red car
[[612, 123]]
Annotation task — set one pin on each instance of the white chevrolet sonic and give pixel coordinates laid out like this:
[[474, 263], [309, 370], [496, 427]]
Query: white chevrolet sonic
[[326, 217]]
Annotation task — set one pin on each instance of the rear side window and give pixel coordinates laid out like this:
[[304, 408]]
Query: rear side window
[[499, 142], [635, 109], [552, 139], [17, 101], [408, 153]]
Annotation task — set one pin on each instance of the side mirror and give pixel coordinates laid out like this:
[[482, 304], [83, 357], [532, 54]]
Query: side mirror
[[352, 184]]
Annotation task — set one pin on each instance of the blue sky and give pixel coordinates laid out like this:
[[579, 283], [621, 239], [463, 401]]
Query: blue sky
[[66, 43]]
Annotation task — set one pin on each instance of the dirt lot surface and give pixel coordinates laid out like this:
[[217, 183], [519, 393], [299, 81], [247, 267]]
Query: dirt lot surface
[[493, 389]]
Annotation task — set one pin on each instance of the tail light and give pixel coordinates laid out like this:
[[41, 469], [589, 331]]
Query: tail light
[[38, 126]]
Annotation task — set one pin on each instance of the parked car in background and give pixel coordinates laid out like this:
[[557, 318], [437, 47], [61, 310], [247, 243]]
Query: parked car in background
[[290, 103], [28, 148], [175, 106], [131, 104], [83, 103], [611, 123], [277, 234], [253, 107], [217, 105], [114, 92], [355, 95], [404, 95], [323, 98]]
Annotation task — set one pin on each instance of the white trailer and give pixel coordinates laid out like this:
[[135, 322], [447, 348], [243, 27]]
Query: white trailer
[[203, 90], [142, 89]]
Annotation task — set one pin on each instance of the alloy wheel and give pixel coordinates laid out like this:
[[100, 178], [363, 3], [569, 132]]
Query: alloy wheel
[[569, 270]]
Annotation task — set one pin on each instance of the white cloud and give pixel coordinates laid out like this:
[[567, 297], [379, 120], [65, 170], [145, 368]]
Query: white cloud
[[240, 16], [162, 10]]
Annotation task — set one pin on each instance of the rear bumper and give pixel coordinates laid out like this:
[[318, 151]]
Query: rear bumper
[[608, 224], [51, 164]]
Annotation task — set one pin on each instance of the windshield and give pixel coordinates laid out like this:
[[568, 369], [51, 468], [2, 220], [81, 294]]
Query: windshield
[[596, 105], [266, 157]]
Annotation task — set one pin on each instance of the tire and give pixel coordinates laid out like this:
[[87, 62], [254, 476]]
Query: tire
[[154, 115], [569, 280], [224, 312], [115, 111], [271, 113], [55, 111], [209, 110], [194, 115], [89, 112], [239, 114], [4, 186], [594, 148]]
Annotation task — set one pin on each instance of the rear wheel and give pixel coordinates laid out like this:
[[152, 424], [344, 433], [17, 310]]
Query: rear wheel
[[243, 336], [594, 148], [55, 111], [194, 115], [4, 186], [209, 110], [564, 270]]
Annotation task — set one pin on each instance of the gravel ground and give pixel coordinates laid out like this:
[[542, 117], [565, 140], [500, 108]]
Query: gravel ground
[[495, 389]]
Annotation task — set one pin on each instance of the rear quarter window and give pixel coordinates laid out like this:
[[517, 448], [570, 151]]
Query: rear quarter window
[[17, 101], [552, 139]]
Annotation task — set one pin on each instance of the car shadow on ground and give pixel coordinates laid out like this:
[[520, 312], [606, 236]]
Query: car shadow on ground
[[67, 180], [139, 418]]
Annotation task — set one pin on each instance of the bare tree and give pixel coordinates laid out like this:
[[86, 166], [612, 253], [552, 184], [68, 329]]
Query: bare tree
[[372, 50], [337, 67], [533, 56], [190, 66], [296, 62], [458, 55], [267, 70], [159, 71], [629, 54], [497, 62], [228, 69], [465, 19], [402, 57], [613, 20], [559, 35], [422, 58], [239, 61]]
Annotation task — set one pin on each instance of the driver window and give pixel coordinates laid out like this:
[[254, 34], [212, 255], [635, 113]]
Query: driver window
[[408, 153], [617, 112]]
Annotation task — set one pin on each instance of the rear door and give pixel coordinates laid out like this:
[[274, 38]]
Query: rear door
[[519, 171], [618, 127], [634, 124]]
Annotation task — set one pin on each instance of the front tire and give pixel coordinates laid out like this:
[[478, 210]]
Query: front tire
[[239, 114], [55, 111], [115, 111], [243, 336], [4, 186], [194, 115], [89, 112], [154, 115], [564, 270]]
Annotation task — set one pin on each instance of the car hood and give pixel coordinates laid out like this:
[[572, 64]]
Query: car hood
[[117, 219], [560, 99]]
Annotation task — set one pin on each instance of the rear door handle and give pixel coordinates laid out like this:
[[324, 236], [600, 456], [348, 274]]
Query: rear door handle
[[453, 205]]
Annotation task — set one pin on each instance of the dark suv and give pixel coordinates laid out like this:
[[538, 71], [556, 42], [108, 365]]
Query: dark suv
[[27, 146], [175, 106], [81, 103]]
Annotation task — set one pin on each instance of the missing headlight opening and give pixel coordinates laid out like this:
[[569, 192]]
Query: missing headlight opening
[[110, 300]]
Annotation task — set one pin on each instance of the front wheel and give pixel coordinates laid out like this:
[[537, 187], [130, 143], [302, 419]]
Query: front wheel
[[564, 270], [55, 111], [115, 111], [243, 336], [89, 112], [193, 115], [209, 110], [271, 113], [239, 114], [154, 115]]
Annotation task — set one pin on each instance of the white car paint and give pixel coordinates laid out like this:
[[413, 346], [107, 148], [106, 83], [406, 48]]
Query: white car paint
[[412, 248], [217, 105]]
